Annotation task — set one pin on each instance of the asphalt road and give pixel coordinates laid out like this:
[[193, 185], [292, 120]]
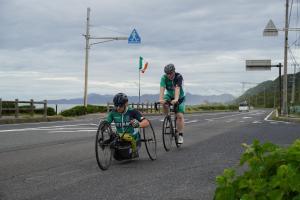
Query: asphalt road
[[56, 160]]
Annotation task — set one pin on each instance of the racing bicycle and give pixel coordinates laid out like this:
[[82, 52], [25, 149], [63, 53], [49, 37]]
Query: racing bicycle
[[169, 129]]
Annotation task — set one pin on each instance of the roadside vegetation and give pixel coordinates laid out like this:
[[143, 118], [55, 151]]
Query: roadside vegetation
[[273, 173], [81, 110], [212, 107]]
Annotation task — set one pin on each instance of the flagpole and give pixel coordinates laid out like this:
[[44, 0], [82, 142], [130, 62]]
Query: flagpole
[[139, 87]]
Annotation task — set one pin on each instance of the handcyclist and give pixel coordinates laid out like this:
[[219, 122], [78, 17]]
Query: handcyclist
[[172, 82], [127, 121]]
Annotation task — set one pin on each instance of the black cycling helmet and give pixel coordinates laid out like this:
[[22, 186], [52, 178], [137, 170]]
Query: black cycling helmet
[[169, 68], [120, 99]]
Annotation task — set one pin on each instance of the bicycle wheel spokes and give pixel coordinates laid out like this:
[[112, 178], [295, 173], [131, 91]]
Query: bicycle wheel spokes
[[150, 141], [102, 145], [167, 133]]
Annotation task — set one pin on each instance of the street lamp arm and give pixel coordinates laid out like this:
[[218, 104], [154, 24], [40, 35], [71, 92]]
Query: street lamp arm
[[109, 38], [281, 29], [100, 42]]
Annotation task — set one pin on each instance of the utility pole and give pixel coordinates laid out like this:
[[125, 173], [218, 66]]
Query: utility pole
[[286, 31], [87, 47]]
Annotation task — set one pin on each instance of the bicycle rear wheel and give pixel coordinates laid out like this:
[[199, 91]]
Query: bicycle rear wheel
[[102, 145], [167, 133], [150, 141]]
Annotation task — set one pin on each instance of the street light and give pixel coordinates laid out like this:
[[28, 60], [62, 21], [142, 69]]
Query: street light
[[88, 46]]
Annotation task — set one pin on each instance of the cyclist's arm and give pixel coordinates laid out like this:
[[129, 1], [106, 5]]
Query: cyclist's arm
[[177, 91], [144, 123], [161, 95], [178, 84], [109, 118]]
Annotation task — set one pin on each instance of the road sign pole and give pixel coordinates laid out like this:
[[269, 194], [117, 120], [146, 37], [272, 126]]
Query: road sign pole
[[280, 89]]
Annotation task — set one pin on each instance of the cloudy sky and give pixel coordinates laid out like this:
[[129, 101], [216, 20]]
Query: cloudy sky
[[42, 47]]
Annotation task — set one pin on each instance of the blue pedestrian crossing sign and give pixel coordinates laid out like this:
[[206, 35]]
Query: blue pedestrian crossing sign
[[134, 38]]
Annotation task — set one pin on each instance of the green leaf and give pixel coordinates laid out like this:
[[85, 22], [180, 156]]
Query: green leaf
[[275, 194]]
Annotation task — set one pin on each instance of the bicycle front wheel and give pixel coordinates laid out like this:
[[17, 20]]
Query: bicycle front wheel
[[102, 145], [167, 133], [150, 141]]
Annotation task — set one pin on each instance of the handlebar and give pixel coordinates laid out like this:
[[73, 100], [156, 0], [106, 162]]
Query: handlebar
[[168, 102]]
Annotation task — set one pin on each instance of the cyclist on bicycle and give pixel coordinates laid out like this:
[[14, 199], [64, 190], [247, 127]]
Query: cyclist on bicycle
[[172, 82], [127, 121]]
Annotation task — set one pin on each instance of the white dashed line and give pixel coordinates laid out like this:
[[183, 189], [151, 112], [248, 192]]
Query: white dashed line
[[247, 117], [256, 122]]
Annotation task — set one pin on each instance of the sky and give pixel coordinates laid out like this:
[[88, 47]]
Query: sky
[[42, 47]]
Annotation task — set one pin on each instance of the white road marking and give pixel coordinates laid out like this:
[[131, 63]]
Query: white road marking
[[211, 119], [192, 121], [72, 131], [274, 121], [256, 122], [44, 128], [247, 117]]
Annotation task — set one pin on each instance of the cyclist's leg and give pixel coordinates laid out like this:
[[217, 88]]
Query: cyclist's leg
[[166, 106], [129, 138], [180, 117]]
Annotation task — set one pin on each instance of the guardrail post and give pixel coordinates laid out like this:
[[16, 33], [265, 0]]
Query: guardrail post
[[107, 107], [31, 108], [142, 107], [151, 106], [45, 108], [16, 108], [147, 108], [0, 107]]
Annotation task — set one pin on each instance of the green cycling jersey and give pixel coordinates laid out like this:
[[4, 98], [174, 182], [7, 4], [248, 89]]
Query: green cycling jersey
[[170, 85], [122, 121]]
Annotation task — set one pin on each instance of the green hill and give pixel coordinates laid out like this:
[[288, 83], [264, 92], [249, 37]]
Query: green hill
[[266, 94]]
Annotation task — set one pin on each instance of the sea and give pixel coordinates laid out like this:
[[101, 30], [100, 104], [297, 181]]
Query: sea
[[62, 107]]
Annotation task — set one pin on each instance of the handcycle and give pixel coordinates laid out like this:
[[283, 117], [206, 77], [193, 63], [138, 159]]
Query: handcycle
[[109, 144], [169, 129]]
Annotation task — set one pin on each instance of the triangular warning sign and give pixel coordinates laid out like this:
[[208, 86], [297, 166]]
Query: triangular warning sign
[[134, 37], [270, 29]]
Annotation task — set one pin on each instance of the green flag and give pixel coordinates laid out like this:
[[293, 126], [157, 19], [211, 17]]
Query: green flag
[[141, 63]]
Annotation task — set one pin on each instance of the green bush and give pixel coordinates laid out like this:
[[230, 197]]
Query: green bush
[[50, 111], [273, 174], [81, 110], [211, 107]]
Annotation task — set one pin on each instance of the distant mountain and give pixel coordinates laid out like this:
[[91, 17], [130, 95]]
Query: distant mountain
[[191, 99], [266, 94]]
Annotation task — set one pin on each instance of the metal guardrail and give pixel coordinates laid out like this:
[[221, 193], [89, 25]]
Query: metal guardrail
[[143, 107], [17, 108]]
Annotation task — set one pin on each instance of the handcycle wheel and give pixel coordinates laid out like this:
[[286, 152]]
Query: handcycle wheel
[[102, 145], [150, 141], [167, 133]]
